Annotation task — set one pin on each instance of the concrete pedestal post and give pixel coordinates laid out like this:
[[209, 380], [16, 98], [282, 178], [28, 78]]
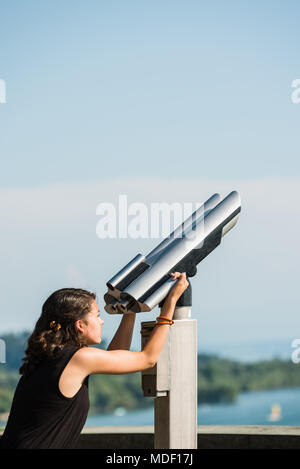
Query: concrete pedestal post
[[175, 413], [173, 380]]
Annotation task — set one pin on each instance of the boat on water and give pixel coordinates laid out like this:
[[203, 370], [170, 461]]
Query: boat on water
[[120, 411], [275, 414]]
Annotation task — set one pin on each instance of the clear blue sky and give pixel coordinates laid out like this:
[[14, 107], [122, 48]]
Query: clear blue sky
[[147, 85], [99, 91]]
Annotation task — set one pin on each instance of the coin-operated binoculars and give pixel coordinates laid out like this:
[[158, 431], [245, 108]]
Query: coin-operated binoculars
[[143, 284], [145, 281]]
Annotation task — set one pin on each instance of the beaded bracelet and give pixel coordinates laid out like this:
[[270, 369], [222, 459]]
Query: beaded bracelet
[[166, 319], [163, 320]]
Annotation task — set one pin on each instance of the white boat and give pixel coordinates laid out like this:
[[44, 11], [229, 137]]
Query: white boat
[[120, 411], [275, 414]]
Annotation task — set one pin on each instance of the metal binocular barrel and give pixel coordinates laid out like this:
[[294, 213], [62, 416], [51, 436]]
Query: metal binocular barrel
[[145, 281]]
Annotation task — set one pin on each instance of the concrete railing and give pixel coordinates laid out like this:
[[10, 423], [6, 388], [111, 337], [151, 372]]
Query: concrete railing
[[209, 437]]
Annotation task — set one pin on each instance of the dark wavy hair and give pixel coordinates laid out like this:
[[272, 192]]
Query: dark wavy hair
[[63, 307]]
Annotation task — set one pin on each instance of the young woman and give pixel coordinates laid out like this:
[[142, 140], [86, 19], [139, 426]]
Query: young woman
[[51, 400]]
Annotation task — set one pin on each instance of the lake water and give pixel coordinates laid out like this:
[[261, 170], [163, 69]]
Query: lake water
[[251, 408]]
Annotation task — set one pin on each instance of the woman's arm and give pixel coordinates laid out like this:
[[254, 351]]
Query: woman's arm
[[90, 360], [123, 336], [159, 334]]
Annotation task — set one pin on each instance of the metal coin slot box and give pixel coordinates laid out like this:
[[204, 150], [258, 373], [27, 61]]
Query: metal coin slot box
[[156, 380]]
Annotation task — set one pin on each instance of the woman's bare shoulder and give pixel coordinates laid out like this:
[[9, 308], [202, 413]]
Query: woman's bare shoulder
[[86, 353], [85, 358]]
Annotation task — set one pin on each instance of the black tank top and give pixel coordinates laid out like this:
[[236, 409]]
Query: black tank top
[[41, 416]]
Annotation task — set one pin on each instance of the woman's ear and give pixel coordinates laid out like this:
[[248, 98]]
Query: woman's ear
[[79, 324]]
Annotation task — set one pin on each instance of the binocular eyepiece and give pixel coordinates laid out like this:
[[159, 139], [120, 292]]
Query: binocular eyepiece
[[145, 281]]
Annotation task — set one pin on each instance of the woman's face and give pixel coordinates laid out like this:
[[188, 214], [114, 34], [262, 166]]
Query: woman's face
[[91, 326]]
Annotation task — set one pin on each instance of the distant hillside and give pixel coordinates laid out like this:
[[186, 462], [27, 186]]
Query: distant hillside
[[219, 379]]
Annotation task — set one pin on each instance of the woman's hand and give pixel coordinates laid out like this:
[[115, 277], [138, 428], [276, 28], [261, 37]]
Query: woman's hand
[[180, 286]]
